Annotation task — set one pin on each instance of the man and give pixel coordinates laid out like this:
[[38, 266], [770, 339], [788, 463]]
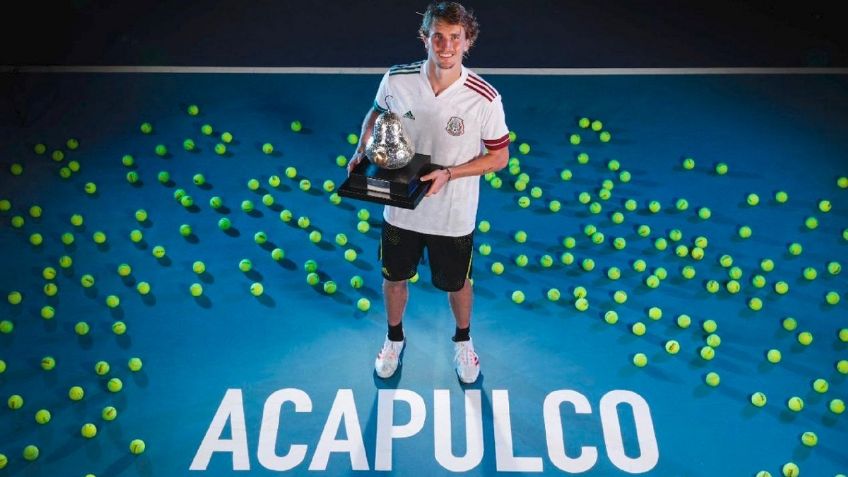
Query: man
[[457, 118]]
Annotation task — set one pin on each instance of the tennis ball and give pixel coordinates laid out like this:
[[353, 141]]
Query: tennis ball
[[158, 251], [598, 238], [640, 360], [137, 446], [76, 393], [30, 453], [758, 399], [356, 282], [15, 402], [654, 206], [639, 265], [781, 197], [713, 340], [119, 327], [81, 328], [581, 304], [146, 128], [773, 356], [553, 294], [755, 304], [613, 273], [189, 145], [245, 265], [42, 416], [704, 213], [566, 175], [226, 137], [837, 406], [114, 385], [624, 176], [712, 379], [809, 439], [652, 281], [834, 268], [220, 149], [196, 289], [795, 404], [362, 226], [732, 286], [101, 368], [688, 163], [160, 150], [521, 260], [688, 272], [315, 236], [363, 304], [832, 298], [524, 148], [619, 243], [88, 430], [617, 217], [305, 184], [843, 335], [518, 296], [672, 347], [707, 353], [312, 278], [520, 236], [661, 244], [611, 317], [655, 313], [638, 328], [811, 223], [524, 201], [350, 255], [48, 363], [795, 249], [497, 268], [206, 129], [109, 413], [296, 126], [619, 296], [805, 338], [143, 288], [256, 289], [587, 264], [820, 385], [330, 287], [605, 136], [790, 470], [721, 168], [681, 204]]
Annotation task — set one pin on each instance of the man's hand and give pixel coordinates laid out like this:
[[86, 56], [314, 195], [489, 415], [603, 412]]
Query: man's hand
[[354, 160], [440, 177]]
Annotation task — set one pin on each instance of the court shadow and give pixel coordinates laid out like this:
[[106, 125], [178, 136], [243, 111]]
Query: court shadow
[[203, 301], [233, 232], [149, 299], [266, 300]]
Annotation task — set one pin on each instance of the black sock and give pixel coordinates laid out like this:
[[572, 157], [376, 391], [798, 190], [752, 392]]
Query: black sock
[[462, 334], [396, 332]]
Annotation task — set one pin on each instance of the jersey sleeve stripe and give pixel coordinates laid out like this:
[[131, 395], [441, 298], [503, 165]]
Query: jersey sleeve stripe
[[480, 91], [482, 83], [495, 144], [379, 108]]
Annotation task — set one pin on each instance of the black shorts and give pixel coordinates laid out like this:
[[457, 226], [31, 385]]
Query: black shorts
[[450, 257]]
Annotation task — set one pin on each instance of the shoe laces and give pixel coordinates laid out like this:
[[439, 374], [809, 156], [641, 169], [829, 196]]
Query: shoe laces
[[390, 350], [465, 354]]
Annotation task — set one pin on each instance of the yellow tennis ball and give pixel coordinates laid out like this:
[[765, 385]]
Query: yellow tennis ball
[[88, 430], [137, 446]]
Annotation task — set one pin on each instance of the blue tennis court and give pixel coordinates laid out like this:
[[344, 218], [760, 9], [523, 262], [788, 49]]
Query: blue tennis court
[[718, 267]]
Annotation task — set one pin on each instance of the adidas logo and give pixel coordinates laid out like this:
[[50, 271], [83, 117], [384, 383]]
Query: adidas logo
[[409, 115]]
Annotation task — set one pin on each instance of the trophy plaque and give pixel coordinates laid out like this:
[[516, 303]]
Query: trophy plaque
[[391, 171]]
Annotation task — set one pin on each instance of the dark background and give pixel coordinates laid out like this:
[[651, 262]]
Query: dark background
[[361, 33]]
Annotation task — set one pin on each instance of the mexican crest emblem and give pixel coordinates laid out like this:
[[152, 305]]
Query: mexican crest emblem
[[455, 126]]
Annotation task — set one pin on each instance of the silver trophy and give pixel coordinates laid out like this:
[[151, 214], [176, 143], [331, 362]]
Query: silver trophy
[[391, 171], [388, 147]]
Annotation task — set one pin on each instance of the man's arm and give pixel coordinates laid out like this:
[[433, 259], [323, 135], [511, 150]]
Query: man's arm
[[364, 136], [491, 161]]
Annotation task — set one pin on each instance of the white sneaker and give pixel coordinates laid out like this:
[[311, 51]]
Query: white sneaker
[[466, 361], [388, 359]]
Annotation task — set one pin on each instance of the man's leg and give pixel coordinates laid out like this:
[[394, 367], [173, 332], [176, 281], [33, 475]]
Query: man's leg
[[460, 303], [396, 294]]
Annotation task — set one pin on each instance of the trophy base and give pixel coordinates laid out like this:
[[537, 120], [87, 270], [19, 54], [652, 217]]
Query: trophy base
[[396, 187]]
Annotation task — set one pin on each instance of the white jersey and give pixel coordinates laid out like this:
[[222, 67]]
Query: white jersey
[[452, 128]]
